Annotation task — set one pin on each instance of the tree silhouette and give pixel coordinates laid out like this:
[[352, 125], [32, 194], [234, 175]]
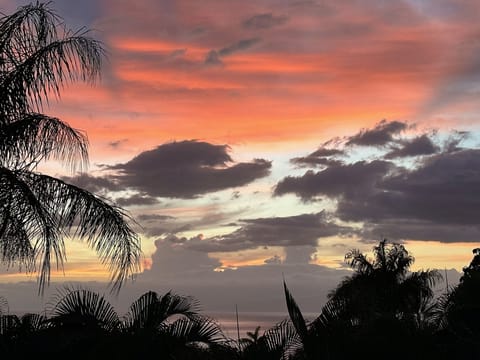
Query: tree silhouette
[[384, 287], [383, 301], [278, 342], [38, 56], [170, 325], [459, 314]]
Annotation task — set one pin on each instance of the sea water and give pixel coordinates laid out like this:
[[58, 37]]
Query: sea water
[[248, 321]]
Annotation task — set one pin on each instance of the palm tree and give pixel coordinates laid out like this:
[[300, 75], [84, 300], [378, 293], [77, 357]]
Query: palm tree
[[371, 310], [279, 342], [171, 324], [383, 287], [38, 56], [383, 301], [18, 334], [458, 314]]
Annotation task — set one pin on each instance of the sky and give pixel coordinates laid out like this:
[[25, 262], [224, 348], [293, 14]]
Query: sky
[[256, 141]]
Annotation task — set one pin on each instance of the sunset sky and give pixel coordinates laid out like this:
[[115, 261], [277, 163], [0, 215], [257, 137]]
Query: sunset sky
[[256, 140]]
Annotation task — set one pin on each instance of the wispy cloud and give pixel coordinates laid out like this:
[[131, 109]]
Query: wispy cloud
[[264, 21]]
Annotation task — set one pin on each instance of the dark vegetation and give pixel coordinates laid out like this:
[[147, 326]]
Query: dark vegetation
[[383, 310], [38, 55]]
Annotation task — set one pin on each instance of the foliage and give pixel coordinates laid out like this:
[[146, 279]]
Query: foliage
[[38, 56]]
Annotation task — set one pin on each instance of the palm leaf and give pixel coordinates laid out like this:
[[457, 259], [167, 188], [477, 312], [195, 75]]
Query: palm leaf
[[27, 217], [295, 314], [36, 137], [38, 59], [142, 313], [4, 308], [9, 324], [150, 310], [32, 322], [280, 341], [200, 329], [358, 261], [104, 226], [83, 307]]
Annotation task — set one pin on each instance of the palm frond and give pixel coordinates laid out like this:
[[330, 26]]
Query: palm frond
[[281, 340], [38, 57], [200, 329], [32, 322], [142, 313], [333, 312], [295, 314], [105, 227], [37, 137], [421, 283], [150, 310], [83, 307], [8, 324], [27, 217], [358, 261], [4, 307], [173, 304]]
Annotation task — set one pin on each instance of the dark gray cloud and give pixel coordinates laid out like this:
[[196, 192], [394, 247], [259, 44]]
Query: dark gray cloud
[[412, 229], [299, 230], [342, 180], [213, 57], [187, 169], [441, 189], [435, 201], [322, 156], [92, 183], [154, 217], [323, 152], [264, 21], [420, 202], [433, 198], [136, 199], [420, 145], [314, 161], [452, 143], [382, 134], [238, 46], [117, 143]]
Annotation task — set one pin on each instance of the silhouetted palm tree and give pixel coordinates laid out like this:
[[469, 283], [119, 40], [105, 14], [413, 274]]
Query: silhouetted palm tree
[[384, 287], [81, 323], [458, 314], [38, 56], [383, 301], [19, 334], [277, 343], [171, 323]]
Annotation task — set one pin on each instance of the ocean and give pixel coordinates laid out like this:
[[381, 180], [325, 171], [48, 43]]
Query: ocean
[[248, 321]]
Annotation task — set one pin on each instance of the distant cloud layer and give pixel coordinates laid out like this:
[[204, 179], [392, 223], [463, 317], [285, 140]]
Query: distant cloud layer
[[299, 230], [429, 199]]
